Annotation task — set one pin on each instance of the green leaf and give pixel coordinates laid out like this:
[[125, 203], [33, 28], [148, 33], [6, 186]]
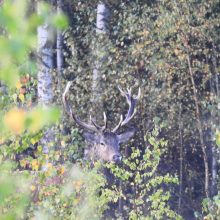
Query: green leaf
[[217, 138], [60, 21]]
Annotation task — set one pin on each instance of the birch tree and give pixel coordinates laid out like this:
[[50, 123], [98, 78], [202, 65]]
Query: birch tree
[[44, 88], [101, 31], [59, 44]]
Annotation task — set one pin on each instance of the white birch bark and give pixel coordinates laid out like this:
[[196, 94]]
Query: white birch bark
[[102, 18], [59, 45], [214, 171], [45, 91], [101, 28]]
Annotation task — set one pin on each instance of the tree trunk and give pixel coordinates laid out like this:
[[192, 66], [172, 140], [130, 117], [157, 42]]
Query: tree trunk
[[181, 158], [101, 31], [214, 189], [59, 47], [45, 92], [214, 85], [200, 129]]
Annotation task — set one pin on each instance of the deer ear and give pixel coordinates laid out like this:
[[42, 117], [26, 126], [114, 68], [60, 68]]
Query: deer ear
[[90, 137], [124, 137]]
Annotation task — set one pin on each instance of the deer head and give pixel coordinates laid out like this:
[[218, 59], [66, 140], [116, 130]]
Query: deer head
[[105, 144]]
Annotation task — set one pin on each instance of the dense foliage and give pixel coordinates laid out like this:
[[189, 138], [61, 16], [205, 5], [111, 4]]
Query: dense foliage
[[168, 48]]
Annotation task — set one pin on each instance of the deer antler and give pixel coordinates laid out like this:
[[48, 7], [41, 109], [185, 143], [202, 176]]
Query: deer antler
[[132, 101], [92, 127]]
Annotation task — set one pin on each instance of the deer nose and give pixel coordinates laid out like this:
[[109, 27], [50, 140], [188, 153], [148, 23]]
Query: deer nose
[[117, 158]]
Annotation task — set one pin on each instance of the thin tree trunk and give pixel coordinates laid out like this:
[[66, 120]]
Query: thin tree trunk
[[199, 126], [101, 30], [59, 46], [181, 158], [45, 92], [213, 185], [120, 202], [214, 171], [214, 121]]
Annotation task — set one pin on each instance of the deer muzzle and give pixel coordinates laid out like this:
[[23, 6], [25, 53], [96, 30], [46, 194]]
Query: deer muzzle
[[116, 158]]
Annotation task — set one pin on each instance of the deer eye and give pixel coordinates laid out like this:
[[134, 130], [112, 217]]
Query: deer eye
[[102, 143]]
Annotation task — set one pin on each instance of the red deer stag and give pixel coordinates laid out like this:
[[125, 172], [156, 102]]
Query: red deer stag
[[104, 145]]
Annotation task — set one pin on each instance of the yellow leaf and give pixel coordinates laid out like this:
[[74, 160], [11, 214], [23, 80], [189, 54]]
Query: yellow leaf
[[218, 138], [18, 85], [76, 201], [33, 141], [23, 163], [33, 187], [15, 119], [177, 52], [61, 170], [35, 165], [21, 97], [78, 184], [63, 144], [49, 165]]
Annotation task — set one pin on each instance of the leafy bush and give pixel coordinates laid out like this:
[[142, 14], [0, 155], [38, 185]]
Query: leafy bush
[[14, 191], [76, 195], [211, 208], [149, 190]]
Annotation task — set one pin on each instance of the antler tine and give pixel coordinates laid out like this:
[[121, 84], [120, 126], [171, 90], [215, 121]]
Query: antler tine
[[65, 92], [121, 91], [94, 123], [105, 121], [127, 119], [99, 127], [132, 101], [139, 93], [71, 113], [129, 91], [119, 124]]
